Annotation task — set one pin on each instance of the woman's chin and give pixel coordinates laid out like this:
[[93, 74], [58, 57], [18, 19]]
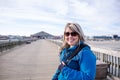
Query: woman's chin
[[71, 44]]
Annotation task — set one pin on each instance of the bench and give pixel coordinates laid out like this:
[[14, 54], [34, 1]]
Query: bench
[[101, 70]]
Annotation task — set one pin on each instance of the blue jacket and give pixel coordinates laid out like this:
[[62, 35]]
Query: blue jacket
[[80, 67]]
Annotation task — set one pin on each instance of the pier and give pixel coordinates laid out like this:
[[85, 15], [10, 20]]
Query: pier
[[39, 60], [35, 61]]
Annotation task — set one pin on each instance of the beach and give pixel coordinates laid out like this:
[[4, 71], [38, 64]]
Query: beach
[[108, 45]]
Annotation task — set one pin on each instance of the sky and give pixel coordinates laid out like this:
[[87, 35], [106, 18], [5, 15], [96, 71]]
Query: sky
[[27, 17]]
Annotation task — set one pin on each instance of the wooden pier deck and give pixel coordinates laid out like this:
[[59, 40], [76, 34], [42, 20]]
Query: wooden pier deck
[[35, 61]]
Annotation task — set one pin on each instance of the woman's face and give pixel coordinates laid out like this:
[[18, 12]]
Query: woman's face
[[71, 37]]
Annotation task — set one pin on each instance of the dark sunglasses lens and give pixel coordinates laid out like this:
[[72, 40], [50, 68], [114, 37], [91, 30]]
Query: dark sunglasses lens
[[66, 33], [73, 34]]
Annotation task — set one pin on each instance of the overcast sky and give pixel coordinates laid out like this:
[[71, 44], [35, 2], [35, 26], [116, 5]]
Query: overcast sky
[[26, 17]]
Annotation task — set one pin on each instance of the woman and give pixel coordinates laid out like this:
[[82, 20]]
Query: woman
[[83, 65]]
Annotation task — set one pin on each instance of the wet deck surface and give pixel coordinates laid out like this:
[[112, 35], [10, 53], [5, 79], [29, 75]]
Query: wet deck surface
[[35, 61]]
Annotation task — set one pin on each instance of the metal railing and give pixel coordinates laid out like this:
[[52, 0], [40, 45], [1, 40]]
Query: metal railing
[[9, 45]]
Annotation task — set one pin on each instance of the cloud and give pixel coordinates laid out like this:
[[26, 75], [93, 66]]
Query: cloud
[[97, 16]]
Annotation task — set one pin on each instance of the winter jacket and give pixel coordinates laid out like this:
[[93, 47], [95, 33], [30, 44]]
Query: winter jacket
[[80, 67]]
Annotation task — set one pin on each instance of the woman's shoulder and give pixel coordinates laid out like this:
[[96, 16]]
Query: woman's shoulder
[[85, 48], [87, 52]]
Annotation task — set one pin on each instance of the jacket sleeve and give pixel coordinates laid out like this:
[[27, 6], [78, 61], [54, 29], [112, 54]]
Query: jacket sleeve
[[87, 67]]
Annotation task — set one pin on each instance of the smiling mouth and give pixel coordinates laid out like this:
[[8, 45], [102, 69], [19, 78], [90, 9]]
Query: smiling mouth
[[71, 40]]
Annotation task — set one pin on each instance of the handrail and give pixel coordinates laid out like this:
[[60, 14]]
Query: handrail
[[9, 45]]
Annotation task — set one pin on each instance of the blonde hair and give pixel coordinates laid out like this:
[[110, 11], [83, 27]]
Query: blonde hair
[[76, 28]]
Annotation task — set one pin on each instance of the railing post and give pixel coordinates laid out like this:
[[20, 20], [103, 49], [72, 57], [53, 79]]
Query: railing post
[[112, 65], [119, 67], [101, 57], [109, 63], [115, 58]]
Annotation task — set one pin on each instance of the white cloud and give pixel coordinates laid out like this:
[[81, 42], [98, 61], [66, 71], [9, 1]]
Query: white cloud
[[97, 16]]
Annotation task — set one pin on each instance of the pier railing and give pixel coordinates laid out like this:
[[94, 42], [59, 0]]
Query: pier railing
[[107, 56], [9, 45], [110, 57]]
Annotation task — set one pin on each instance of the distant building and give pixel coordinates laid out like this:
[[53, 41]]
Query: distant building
[[102, 37], [43, 35], [3, 37], [116, 37]]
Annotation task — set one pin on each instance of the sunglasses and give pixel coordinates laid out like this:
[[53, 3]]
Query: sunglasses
[[72, 33]]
